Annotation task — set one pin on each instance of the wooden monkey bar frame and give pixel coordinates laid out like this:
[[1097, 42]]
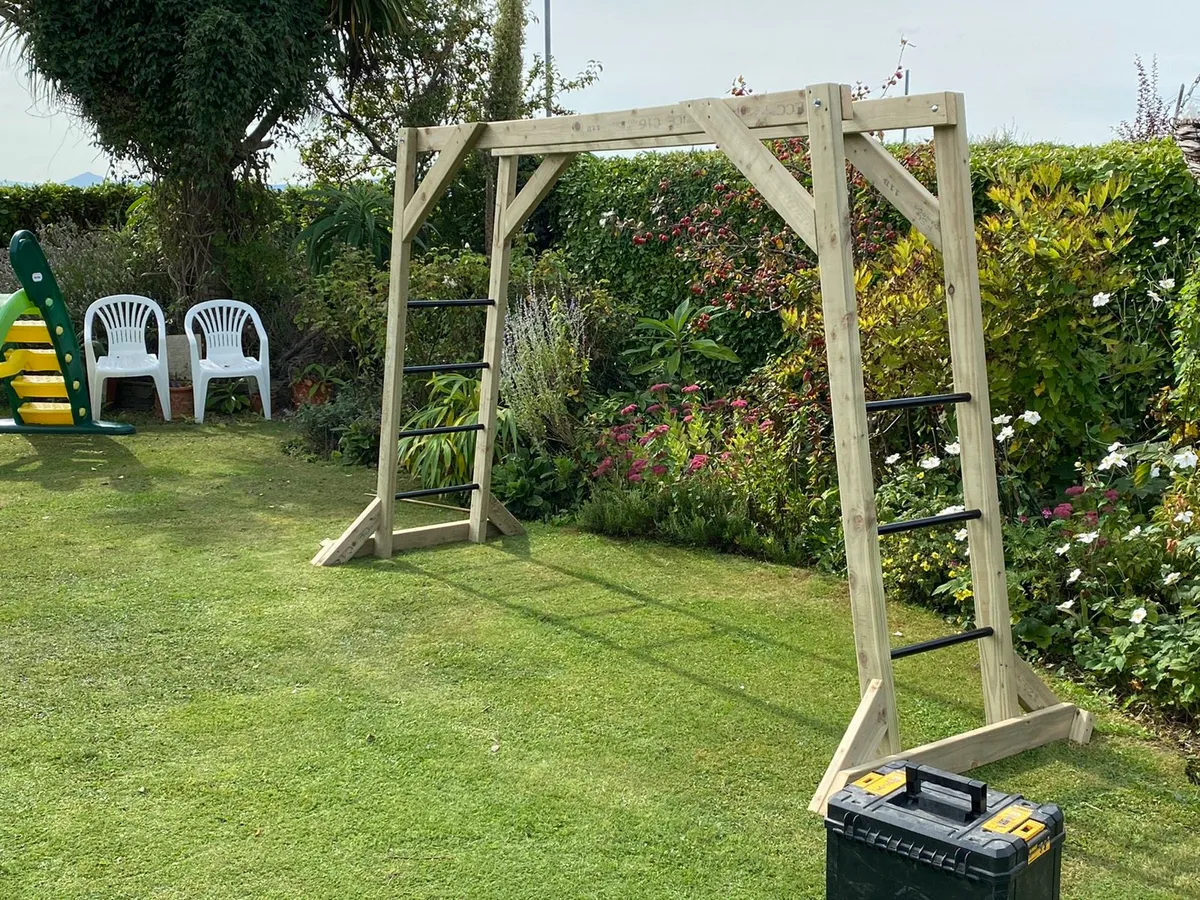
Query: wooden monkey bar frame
[[1021, 711]]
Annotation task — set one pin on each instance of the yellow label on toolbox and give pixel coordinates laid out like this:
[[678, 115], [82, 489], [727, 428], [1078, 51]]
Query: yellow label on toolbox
[[1040, 850], [879, 785], [1008, 819]]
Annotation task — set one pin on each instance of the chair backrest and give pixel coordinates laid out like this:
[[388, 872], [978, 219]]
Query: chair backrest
[[222, 323], [125, 318]]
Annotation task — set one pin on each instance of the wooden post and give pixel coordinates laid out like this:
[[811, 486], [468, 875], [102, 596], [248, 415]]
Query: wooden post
[[393, 366], [848, 397], [965, 314], [493, 349]]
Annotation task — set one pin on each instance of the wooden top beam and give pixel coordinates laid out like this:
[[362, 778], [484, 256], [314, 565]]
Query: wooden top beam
[[776, 115]]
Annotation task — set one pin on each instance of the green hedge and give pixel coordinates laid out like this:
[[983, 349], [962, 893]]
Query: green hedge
[[651, 278], [45, 204]]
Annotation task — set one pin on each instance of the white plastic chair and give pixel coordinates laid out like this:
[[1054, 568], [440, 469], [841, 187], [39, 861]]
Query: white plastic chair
[[221, 323], [125, 318]]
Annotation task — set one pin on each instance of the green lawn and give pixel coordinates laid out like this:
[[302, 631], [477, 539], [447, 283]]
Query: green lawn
[[189, 709]]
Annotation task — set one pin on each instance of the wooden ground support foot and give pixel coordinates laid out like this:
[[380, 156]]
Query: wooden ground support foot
[[860, 743], [353, 540], [973, 749]]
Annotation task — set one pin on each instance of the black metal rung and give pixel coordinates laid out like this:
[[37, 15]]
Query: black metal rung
[[445, 367], [440, 429], [930, 521], [435, 304], [974, 634], [914, 402], [433, 492]]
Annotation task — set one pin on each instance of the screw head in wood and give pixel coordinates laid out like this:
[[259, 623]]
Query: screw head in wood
[[933, 108], [816, 102]]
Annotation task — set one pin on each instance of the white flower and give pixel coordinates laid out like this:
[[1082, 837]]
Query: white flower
[[961, 534], [1066, 607], [1171, 578], [1062, 551], [1074, 576], [953, 449], [1162, 242], [893, 459], [1032, 416], [1088, 537], [607, 218], [1101, 299], [1133, 532], [1138, 616], [1155, 471], [1113, 459], [1005, 433], [1167, 284], [1185, 517], [1186, 459], [1001, 420], [1153, 296], [1115, 446], [929, 462], [950, 510]]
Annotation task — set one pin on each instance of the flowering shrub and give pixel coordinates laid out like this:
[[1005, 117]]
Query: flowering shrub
[[748, 477]]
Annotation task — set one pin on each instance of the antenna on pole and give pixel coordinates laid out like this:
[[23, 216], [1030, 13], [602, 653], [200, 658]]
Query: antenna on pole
[[549, 75]]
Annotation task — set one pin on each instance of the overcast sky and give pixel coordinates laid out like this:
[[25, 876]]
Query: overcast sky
[[1051, 69]]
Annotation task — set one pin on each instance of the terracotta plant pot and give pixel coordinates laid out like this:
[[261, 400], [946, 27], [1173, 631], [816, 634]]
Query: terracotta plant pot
[[308, 390], [182, 403]]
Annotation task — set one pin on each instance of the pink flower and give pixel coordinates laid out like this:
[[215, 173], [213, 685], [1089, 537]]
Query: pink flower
[[657, 407], [622, 437], [726, 456], [687, 419], [1112, 494], [604, 468], [1076, 490], [1023, 519], [629, 410], [639, 465], [657, 388], [691, 389], [1092, 516], [1046, 513], [739, 403], [659, 470], [635, 477], [699, 461], [1064, 510]]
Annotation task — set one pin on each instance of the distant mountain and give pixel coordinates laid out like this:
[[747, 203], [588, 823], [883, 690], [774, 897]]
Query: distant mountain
[[87, 179]]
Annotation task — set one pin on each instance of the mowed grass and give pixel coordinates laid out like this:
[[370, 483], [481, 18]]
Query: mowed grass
[[189, 709]]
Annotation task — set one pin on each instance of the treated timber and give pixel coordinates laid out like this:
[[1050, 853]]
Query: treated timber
[[504, 520], [1032, 693], [860, 742], [430, 535], [760, 166], [973, 749], [848, 399], [969, 365], [352, 540], [781, 114], [397, 320], [540, 184], [493, 351], [450, 160], [896, 184]]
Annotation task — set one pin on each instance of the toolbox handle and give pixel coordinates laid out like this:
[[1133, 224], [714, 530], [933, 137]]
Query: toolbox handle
[[915, 776]]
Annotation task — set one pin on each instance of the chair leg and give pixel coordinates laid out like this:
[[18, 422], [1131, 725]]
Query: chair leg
[[97, 390], [164, 394], [199, 395], [263, 381]]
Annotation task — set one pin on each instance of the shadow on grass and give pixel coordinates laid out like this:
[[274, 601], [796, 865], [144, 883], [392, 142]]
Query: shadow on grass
[[60, 461]]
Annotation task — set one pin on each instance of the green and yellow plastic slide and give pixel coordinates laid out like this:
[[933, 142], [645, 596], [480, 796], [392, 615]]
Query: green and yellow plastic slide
[[41, 369]]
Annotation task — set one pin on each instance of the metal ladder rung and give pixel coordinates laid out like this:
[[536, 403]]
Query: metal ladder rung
[[436, 304], [915, 402], [440, 429], [974, 634], [446, 367], [930, 521], [433, 492]]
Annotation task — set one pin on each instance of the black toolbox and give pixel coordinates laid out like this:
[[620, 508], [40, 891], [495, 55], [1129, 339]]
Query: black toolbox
[[918, 833]]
